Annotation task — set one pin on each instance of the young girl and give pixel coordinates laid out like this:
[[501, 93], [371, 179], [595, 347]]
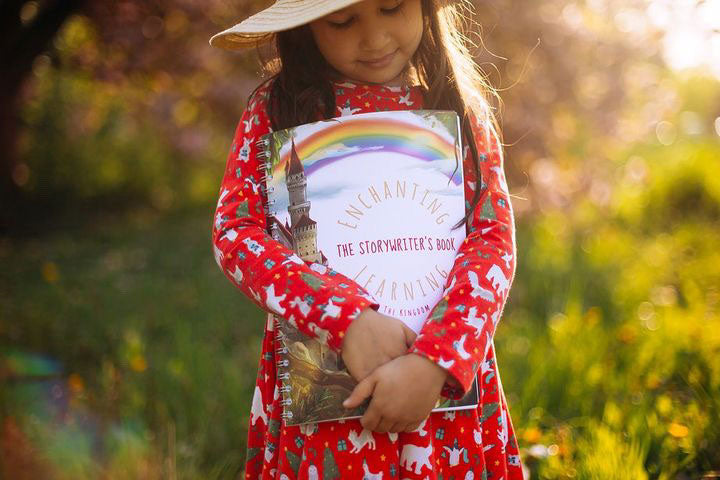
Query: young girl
[[343, 57]]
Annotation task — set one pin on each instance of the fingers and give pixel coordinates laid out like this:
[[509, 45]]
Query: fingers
[[375, 420], [398, 427], [404, 427], [358, 373], [385, 425], [372, 417], [411, 427], [362, 391]]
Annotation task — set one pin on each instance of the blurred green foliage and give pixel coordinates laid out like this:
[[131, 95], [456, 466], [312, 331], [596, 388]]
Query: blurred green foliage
[[610, 341], [104, 134], [155, 348], [83, 144]]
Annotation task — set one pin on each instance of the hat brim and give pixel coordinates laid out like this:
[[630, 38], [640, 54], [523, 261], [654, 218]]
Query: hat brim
[[282, 15]]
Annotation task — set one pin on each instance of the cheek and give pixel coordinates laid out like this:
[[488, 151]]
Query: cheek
[[341, 51], [332, 44], [410, 40], [413, 27], [417, 36]]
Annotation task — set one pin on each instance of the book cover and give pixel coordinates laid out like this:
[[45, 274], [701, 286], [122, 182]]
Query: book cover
[[375, 197]]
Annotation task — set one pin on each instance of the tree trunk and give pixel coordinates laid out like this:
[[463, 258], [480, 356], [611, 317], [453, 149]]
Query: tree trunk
[[20, 44], [10, 194]]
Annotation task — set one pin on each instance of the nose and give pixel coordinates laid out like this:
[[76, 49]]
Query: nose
[[375, 36]]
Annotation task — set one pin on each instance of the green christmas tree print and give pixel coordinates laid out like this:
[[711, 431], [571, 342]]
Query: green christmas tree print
[[330, 467], [439, 311], [488, 212], [488, 409], [242, 210], [274, 427], [251, 453], [293, 461], [314, 282]]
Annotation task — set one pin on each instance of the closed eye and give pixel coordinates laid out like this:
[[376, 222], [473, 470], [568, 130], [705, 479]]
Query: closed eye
[[350, 20], [341, 25], [392, 10]]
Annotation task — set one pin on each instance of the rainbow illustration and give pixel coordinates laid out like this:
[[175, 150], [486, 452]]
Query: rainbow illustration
[[371, 133]]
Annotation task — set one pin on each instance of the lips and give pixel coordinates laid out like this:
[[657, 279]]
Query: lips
[[380, 62]]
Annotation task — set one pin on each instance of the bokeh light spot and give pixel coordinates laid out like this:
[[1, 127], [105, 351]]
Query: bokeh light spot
[[646, 314], [152, 27], [138, 363], [50, 272], [76, 383], [21, 174], [176, 21], [185, 112], [666, 133], [531, 435], [678, 430], [28, 12]]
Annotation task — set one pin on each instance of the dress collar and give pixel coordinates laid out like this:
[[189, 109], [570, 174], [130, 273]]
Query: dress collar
[[376, 89]]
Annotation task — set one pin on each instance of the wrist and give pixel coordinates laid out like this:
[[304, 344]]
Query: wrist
[[362, 317], [434, 370], [343, 325], [452, 381]]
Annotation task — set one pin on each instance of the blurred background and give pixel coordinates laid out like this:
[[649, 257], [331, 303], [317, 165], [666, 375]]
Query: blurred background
[[125, 353]]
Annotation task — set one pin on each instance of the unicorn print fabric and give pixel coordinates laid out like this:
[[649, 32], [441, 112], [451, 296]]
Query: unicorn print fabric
[[464, 444]]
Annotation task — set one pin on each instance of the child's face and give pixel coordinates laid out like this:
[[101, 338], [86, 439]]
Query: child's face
[[371, 41]]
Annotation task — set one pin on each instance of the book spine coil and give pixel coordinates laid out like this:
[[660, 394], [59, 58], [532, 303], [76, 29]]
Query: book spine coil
[[264, 156], [282, 364]]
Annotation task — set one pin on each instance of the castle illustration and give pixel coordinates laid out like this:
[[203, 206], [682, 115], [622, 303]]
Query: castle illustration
[[300, 234]]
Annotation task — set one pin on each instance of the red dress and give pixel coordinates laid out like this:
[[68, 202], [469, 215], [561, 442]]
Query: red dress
[[465, 444]]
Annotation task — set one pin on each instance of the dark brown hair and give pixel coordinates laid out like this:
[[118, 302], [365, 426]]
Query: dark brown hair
[[301, 88]]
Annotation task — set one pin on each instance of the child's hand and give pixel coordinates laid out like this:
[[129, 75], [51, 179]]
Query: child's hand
[[374, 339], [404, 392]]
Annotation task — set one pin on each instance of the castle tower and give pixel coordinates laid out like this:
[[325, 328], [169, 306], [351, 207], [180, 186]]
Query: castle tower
[[297, 187], [303, 228]]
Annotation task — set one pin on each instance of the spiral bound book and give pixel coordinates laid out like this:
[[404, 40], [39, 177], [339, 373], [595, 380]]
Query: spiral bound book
[[373, 196]]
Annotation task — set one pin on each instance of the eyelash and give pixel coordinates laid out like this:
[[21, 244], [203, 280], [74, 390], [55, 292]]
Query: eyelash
[[390, 11], [341, 26], [349, 21]]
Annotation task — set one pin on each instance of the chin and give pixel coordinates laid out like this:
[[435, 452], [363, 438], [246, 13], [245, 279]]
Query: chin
[[378, 81], [381, 79], [376, 77]]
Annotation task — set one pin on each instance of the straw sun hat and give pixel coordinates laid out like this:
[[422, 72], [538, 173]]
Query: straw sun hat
[[281, 15]]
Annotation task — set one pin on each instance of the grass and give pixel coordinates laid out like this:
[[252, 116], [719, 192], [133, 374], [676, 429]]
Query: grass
[[146, 335]]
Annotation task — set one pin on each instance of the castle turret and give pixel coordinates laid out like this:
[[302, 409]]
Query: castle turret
[[297, 186], [303, 229]]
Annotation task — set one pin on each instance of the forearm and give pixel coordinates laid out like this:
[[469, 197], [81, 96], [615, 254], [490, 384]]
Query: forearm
[[318, 301], [461, 326]]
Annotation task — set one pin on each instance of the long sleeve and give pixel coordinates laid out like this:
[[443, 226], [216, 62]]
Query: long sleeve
[[461, 326], [318, 301]]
